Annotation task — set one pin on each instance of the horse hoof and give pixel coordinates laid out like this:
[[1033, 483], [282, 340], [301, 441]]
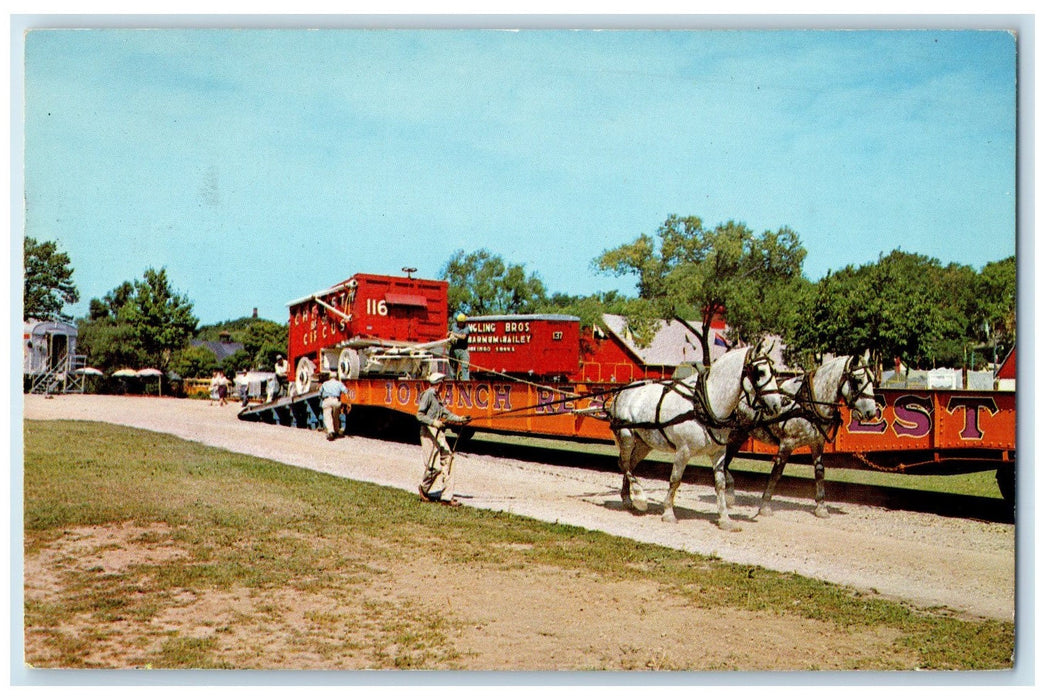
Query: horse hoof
[[728, 525], [731, 499], [669, 517], [640, 505], [821, 512], [765, 512]]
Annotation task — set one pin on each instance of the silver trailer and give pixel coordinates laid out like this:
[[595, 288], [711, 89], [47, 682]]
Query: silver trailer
[[49, 360]]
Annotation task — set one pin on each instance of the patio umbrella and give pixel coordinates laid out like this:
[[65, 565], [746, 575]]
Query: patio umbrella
[[149, 373], [125, 373], [90, 371]]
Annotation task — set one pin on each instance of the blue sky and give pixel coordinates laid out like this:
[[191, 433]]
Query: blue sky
[[258, 166]]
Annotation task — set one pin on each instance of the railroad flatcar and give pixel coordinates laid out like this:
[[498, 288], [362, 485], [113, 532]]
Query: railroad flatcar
[[543, 375]]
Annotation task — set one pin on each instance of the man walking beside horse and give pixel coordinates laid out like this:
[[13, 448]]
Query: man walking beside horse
[[433, 417]]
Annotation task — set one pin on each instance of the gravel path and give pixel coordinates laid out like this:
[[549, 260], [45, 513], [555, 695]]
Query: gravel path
[[925, 559]]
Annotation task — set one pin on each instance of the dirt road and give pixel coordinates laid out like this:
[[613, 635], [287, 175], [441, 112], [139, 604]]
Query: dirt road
[[924, 559]]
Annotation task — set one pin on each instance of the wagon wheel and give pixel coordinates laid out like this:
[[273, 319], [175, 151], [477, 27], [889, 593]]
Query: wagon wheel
[[303, 376], [348, 364]]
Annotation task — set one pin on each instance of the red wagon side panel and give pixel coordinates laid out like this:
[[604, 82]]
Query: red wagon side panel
[[531, 345], [396, 309]]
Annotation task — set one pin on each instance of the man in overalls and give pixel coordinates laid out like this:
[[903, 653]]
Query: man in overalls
[[433, 417]]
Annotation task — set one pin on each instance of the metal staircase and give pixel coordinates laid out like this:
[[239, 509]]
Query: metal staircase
[[62, 377]]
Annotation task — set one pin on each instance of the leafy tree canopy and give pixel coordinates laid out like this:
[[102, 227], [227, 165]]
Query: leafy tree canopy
[[238, 361], [110, 344], [690, 272], [589, 309], [162, 318], [236, 329], [996, 294], [263, 341], [194, 362], [908, 306], [48, 281], [482, 283], [137, 323]]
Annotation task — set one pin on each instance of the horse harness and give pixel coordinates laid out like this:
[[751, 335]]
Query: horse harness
[[806, 404], [701, 410]]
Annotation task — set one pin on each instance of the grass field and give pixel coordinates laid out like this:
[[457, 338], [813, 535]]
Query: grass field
[[244, 524]]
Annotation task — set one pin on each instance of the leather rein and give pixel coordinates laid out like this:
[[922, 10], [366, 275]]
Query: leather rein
[[701, 411], [807, 407]]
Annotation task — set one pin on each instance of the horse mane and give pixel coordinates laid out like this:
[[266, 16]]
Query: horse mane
[[724, 382], [826, 380]]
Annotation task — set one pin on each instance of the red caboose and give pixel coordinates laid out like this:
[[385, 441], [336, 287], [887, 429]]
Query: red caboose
[[368, 324]]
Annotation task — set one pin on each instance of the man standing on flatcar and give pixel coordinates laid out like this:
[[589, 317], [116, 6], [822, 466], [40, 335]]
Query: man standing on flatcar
[[281, 375], [434, 416], [459, 347]]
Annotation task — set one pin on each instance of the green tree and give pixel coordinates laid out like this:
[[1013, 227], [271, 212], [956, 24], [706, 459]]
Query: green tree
[[238, 361], [589, 309], [996, 300], [109, 305], [263, 340], [48, 281], [482, 283], [903, 305], [961, 322], [236, 329], [137, 323], [161, 318], [194, 361], [110, 344], [690, 272]]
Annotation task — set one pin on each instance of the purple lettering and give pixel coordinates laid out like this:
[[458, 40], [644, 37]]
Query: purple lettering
[[877, 425], [913, 416], [482, 396], [403, 394], [502, 397], [972, 406], [544, 400], [464, 396]]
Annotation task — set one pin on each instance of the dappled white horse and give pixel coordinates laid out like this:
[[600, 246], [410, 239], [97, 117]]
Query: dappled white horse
[[812, 420], [690, 417]]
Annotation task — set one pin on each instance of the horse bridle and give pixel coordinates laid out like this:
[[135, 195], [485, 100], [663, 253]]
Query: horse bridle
[[850, 378], [754, 392], [807, 407]]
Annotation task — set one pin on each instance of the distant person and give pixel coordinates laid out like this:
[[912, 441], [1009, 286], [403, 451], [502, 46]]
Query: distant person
[[213, 388], [459, 347], [333, 396], [219, 388], [223, 389], [281, 375], [243, 387], [434, 416]]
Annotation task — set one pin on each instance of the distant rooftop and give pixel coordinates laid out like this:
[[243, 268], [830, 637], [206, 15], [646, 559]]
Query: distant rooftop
[[220, 350], [674, 344]]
